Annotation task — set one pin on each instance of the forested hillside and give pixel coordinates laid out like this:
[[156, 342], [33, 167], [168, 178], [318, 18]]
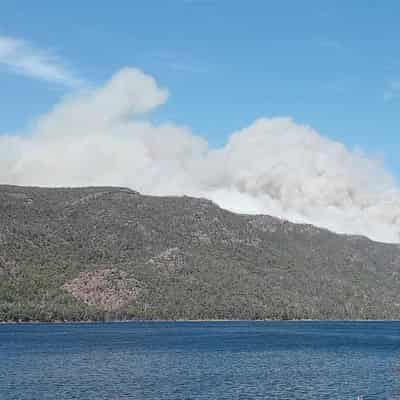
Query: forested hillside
[[112, 253]]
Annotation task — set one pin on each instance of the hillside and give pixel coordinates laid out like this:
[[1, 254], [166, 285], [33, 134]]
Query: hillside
[[112, 253]]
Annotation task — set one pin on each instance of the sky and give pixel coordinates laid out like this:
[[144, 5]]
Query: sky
[[219, 77]]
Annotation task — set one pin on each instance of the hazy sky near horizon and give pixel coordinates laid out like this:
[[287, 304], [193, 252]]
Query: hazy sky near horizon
[[215, 67]]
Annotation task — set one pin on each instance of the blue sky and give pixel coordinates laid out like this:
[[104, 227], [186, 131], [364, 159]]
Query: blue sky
[[334, 66]]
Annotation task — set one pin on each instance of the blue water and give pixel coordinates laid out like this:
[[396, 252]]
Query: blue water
[[200, 360]]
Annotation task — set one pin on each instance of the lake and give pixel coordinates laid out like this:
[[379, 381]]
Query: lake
[[200, 360]]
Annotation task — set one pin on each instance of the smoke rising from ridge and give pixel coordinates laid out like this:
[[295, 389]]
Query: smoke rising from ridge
[[274, 166]]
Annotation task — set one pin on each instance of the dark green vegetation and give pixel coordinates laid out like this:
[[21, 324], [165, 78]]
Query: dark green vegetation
[[111, 253]]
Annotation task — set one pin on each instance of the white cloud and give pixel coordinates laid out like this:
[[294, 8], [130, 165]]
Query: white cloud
[[274, 166], [23, 58]]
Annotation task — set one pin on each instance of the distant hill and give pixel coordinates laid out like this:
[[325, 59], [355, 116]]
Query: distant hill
[[112, 253]]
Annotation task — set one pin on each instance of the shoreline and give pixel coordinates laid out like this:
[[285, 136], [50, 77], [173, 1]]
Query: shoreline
[[189, 321]]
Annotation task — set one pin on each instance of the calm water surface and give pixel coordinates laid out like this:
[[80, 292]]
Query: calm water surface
[[200, 360]]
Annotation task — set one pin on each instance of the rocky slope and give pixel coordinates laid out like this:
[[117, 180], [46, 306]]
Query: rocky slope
[[111, 253]]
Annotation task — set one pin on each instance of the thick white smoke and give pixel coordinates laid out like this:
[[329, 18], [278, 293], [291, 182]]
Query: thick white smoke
[[275, 166]]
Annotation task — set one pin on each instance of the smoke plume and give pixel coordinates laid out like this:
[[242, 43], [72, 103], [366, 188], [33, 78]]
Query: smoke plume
[[274, 166]]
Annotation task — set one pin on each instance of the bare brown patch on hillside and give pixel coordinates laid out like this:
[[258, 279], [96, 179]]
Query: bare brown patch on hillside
[[106, 289]]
